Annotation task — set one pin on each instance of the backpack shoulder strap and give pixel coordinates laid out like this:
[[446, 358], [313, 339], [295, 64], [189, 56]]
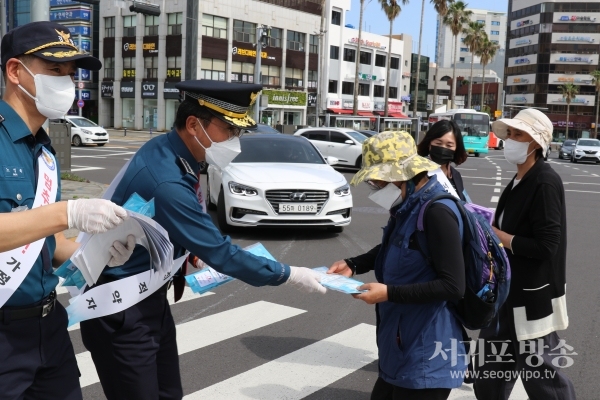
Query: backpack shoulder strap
[[449, 201]]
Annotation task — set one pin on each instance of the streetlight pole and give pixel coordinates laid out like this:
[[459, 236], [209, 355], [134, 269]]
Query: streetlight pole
[[79, 84], [257, 67]]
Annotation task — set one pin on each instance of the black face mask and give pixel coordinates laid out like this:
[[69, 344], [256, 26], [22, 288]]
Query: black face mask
[[441, 155]]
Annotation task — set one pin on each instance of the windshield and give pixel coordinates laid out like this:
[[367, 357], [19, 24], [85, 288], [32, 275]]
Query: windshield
[[569, 143], [477, 125], [82, 122], [359, 137], [261, 128], [268, 149], [595, 143]]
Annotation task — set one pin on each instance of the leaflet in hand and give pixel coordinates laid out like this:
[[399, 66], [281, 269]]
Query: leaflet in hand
[[208, 278], [337, 282]]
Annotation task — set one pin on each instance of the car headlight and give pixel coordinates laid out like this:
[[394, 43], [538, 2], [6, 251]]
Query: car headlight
[[242, 190], [578, 151], [342, 191], [86, 132]]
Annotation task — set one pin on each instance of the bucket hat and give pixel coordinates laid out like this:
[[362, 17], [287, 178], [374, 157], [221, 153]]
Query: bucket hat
[[534, 122]]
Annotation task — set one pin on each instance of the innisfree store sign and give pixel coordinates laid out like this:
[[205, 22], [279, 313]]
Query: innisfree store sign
[[285, 98]]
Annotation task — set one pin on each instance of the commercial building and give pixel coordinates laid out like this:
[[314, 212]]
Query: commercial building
[[549, 44]]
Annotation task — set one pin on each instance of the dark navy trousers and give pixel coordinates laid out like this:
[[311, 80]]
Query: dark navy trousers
[[37, 360]]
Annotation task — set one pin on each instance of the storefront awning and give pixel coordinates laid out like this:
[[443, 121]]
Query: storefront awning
[[340, 111], [398, 115], [365, 114]]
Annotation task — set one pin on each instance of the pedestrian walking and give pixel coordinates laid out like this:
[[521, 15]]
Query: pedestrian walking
[[531, 222], [36, 355]]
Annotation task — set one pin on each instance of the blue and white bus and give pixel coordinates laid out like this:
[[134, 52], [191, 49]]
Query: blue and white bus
[[474, 125]]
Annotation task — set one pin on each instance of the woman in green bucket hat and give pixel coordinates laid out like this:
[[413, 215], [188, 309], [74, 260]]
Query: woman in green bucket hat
[[415, 330]]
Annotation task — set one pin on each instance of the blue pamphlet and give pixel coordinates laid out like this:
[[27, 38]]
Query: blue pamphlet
[[208, 278], [337, 282]]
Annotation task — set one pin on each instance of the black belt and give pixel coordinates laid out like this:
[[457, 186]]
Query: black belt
[[41, 310]]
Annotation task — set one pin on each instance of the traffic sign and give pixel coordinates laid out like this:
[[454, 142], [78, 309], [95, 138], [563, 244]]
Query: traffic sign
[[80, 85], [80, 103]]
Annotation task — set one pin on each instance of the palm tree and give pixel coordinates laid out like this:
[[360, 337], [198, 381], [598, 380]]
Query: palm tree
[[441, 7], [355, 105], [486, 54], [596, 81], [392, 9], [474, 34], [456, 18], [568, 92]]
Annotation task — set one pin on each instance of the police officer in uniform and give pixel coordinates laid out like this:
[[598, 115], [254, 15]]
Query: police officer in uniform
[[135, 351], [36, 355]]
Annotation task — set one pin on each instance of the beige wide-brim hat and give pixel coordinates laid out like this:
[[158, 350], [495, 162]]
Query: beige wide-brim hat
[[391, 157], [534, 122]]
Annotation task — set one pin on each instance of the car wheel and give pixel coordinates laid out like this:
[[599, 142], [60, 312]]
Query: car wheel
[[335, 229], [477, 154], [560, 156], [209, 204], [101, 144], [359, 162], [222, 214], [574, 160], [571, 159], [77, 141]]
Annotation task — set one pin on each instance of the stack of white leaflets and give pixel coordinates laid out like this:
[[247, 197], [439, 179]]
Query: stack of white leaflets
[[93, 254]]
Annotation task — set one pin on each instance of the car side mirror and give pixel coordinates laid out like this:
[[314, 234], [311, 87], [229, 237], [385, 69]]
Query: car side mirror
[[332, 160], [349, 141]]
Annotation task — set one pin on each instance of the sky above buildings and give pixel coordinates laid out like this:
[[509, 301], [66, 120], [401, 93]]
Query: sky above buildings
[[375, 21]]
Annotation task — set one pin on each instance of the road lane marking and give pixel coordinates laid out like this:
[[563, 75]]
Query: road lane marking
[[209, 330], [302, 372], [495, 199], [580, 191], [481, 177], [106, 155], [81, 168], [496, 190]]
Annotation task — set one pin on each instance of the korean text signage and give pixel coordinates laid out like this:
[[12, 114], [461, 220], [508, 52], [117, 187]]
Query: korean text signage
[[528, 79], [284, 98], [334, 103], [127, 90], [150, 47], [149, 90], [107, 88], [80, 30], [58, 3], [576, 39], [128, 72], [577, 18], [250, 53], [574, 79], [85, 94], [367, 77], [170, 91], [65, 15], [367, 43], [173, 72], [312, 99]]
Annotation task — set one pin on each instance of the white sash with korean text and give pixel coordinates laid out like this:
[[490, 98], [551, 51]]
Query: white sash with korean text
[[15, 264]]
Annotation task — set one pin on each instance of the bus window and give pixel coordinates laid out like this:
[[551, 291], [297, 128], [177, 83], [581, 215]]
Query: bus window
[[473, 124]]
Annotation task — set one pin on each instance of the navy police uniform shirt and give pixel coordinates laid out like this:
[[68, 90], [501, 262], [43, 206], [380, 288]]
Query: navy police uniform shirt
[[158, 172], [18, 158]]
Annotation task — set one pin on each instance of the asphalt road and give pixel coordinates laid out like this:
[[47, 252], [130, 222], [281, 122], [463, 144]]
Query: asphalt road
[[276, 342]]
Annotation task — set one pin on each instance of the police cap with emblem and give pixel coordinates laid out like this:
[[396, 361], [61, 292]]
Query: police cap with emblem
[[230, 102], [47, 40]]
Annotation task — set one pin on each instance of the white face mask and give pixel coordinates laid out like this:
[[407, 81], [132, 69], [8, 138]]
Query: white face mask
[[220, 153], [54, 95], [388, 197], [516, 152]]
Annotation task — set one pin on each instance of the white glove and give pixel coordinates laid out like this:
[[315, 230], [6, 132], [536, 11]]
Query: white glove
[[305, 279], [121, 253], [94, 215]]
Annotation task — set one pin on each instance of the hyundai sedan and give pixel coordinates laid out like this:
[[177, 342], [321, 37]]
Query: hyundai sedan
[[279, 180], [586, 150]]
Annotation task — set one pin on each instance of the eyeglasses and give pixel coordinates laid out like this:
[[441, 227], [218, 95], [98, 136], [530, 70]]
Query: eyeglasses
[[232, 131], [375, 185]]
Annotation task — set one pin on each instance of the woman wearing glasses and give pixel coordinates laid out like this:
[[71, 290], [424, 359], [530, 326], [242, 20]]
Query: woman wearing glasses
[[414, 325]]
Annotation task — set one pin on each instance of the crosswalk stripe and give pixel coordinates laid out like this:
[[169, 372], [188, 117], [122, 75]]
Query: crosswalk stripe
[[302, 372], [465, 392], [214, 328]]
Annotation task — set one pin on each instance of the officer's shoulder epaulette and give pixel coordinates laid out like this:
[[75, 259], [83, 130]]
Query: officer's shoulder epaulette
[[2, 119], [185, 167]]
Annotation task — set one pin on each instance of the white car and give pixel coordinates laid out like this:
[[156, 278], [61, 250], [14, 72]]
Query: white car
[[586, 150], [342, 143], [279, 180], [84, 131]]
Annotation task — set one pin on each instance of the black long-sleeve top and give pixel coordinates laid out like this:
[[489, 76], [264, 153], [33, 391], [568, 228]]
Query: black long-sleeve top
[[445, 247]]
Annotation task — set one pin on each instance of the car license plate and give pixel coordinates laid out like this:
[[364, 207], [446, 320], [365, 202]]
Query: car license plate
[[308, 208]]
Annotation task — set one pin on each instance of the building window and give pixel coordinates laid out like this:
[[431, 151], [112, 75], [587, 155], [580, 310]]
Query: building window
[[364, 89], [365, 57], [293, 77], [295, 40], [151, 28], [150, 67], [336, 18], [109, 67], [334, 52], [380, 60], [214, 26], [270, 75], [464, 49], [496, 23], [332, 87], [495, 42], [395, 63], [481, 21], [405, 88], [213, 69], [244, 31], [348, 88], [379, 91], [276, 36], [174, 67], [174, 21], [312, 79], [242, 72], [349, 55], [461, 59], [313, 46], [128, 67], [393, 92], [109, 27], [129, 23], [494, 32]]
